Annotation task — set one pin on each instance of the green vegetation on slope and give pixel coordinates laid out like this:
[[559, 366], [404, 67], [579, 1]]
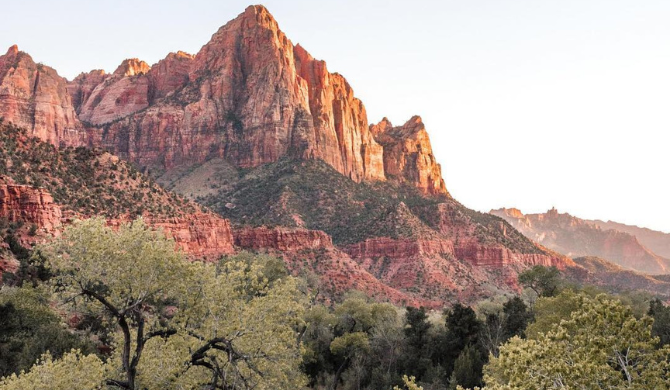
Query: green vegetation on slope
[[90, 182], [312, 194]]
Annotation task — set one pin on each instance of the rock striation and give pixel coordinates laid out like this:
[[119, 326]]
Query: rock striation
[[202, 236], [408, 156], [35, 97], [28, 205], [282, 239]]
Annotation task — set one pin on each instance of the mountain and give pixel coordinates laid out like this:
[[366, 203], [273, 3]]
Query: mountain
[[657, 242], [269, 151], [33, 96], [576, 237], [617, 279]]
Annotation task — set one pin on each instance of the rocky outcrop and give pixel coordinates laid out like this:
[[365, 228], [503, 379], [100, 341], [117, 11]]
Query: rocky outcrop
[[35, 97], [408, 156], [500, 256], [28, 205], [282, 239], [576, 237], [169, 75], [200, 235], [384, 246]]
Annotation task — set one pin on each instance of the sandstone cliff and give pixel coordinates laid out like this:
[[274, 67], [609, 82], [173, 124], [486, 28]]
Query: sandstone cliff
[[35, 97], [408, 156], [248, 96], [29, 205]]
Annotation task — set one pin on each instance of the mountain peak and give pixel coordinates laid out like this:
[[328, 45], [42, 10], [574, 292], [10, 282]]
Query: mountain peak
[[13, 50], [132, 67]]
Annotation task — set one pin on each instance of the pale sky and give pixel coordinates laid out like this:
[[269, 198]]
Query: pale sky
[[529, 103]]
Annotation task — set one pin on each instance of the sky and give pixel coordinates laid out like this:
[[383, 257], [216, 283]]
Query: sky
[[529, 103]]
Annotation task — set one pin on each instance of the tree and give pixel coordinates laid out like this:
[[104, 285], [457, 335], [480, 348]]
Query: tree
[[462, 329], [192, 325], [128, 276], [601, 346], [661, 315], [410, 383], [29, 328], [550, 311], [72, 371], [416, 357], [467, 369], [516, 319], [545, 281]]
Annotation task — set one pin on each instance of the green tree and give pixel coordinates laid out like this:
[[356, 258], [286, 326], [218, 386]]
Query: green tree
[[467, 369], [545, 281], [128, 276], [72, 371], [416, 357], [29, 328], [661, 315], [517, 316], [601, 346], [180, 324]]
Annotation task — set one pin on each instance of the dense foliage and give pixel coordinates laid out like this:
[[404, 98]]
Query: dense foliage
[[161, 322]]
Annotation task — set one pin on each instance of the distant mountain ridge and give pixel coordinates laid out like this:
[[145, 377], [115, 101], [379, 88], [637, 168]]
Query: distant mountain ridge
[[577, 237], [657, 242]]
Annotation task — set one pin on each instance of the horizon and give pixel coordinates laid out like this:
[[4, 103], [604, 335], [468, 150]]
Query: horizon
[[491, 110]]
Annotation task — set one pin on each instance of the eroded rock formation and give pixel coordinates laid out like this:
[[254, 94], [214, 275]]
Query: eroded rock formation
[[35, 97]]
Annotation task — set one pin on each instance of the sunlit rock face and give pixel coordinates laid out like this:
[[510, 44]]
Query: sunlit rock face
[[249, 96], [35, 97], [408, 155]]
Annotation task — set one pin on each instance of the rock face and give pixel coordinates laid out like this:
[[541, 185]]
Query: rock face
[[408, 155], [249, 96], [35, 97], [29, 205], [576, 237], [200, 235], [282, 239]]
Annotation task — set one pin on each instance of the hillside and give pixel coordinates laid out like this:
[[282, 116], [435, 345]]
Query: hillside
[[617, 279], [43, 188]]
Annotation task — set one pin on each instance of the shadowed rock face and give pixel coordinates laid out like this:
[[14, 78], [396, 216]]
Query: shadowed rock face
[[577, 237]]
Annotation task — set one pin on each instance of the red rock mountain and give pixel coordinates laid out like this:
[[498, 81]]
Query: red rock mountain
[[577, 238], [33, 96], [248, 96]]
